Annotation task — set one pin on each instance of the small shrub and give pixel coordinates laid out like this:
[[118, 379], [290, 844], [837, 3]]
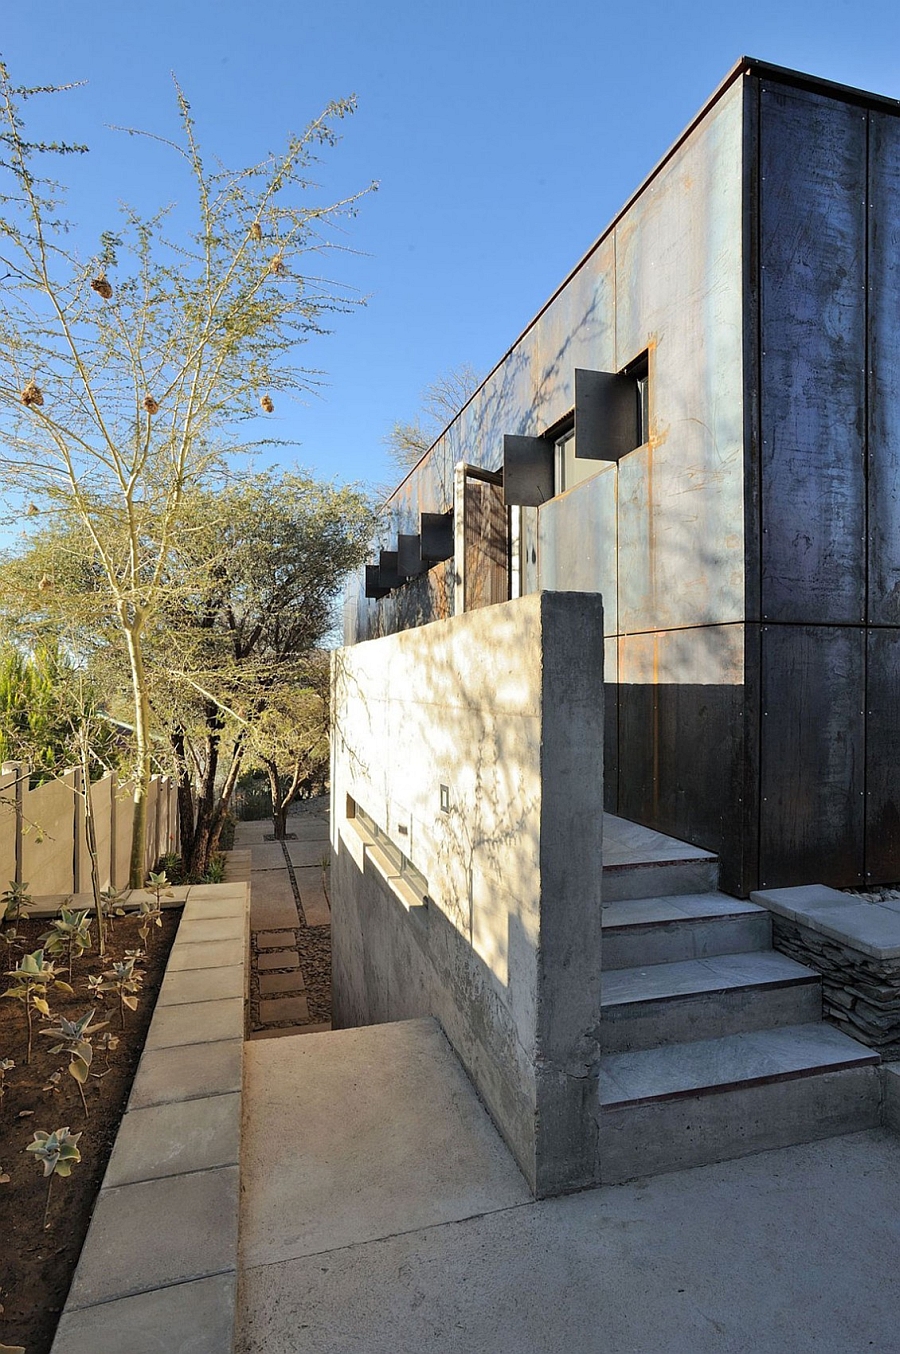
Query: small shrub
[[74, 1039], [122, 980], [69, 935], [215, 873], [6, 1065], [58, 1153], [15, 904], [34, 977]]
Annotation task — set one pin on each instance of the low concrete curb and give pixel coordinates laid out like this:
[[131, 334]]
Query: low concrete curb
[[159, 1265]]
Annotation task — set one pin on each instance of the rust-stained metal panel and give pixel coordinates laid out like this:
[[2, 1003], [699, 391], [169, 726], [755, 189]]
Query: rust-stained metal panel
[[409, 555], [884, 371], [812, 755], [813, 332], [436, 532], [577, 542], [882, 859], [374, 586], [606, 415], [679, 295], [681, 757], [387, 569], [527, 471]]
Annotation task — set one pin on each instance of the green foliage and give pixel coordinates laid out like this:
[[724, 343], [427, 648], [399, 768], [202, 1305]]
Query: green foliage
[[32, 979], [73, 1038], [130, 368], [69, 935], [215, 873], [122, 980], [58, 1153], [15, 904], [6, 1065], [40, 712]]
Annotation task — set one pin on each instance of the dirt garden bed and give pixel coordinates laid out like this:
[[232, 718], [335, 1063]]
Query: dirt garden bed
[[37, 1263]]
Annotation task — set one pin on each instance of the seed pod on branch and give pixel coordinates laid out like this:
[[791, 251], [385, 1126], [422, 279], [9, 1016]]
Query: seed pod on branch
[[277, 266], [151, 405], [102, 287], [268, 404], [256, 231], [32, 395]]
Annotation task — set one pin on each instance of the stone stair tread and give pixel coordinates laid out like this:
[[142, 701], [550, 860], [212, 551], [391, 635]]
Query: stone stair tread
[[716, 1065], [719, 973], [676, 908]]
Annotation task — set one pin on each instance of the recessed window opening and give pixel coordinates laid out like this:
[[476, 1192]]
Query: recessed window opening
[[639, 372], [398, 860]]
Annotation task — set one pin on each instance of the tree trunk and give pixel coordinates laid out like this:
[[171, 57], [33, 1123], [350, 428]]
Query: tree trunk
[[196, 857], [185, 792], [143, 768], [279, 809]]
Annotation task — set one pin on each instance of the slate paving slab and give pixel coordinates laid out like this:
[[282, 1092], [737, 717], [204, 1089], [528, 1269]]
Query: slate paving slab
[[274, 940], [278, 959], [270, 984], [276, 1009]]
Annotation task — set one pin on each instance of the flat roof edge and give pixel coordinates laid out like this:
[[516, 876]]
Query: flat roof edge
[[745, 65]]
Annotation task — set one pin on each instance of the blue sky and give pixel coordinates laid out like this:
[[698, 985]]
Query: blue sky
[[504, 137]]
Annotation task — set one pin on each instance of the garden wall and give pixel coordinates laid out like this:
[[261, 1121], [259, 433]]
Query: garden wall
[[43, 841]]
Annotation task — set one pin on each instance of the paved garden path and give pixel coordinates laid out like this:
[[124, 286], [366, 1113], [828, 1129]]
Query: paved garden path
[[290, 921]]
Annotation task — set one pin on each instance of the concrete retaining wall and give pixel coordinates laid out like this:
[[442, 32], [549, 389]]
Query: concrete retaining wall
[[473, 744]]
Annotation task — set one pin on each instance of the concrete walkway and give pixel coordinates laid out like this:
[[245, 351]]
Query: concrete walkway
[[381, 1214], [290, 921]]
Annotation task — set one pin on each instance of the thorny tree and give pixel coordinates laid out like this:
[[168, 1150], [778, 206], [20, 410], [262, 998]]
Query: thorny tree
[[127, 373]]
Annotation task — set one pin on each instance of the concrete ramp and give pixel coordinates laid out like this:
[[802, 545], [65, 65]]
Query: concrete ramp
[[356, 1135]]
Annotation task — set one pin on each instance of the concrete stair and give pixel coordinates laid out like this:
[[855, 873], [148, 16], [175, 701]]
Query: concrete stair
[[712, 1043]]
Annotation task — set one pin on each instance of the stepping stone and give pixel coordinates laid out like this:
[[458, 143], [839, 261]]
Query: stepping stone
[[274, 940], [278, 959], [271, 984], [283, 1008], [304, 854]]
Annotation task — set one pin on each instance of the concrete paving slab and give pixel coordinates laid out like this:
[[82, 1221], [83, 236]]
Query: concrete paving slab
[[193, 1318], [313, 896], [275, 1009], [203, 909], [310, 829], [268, 856], [186, 1233], [205, 954], [274, 940], [196, 1022], [248, 834], [190, 1135], [308, 853], [209, 984], [272, 903], [195, 929], [792, 1250], [277, 959], [393, 1137], [272, 983], [626, 843], [216, 893], [187, 1071]]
